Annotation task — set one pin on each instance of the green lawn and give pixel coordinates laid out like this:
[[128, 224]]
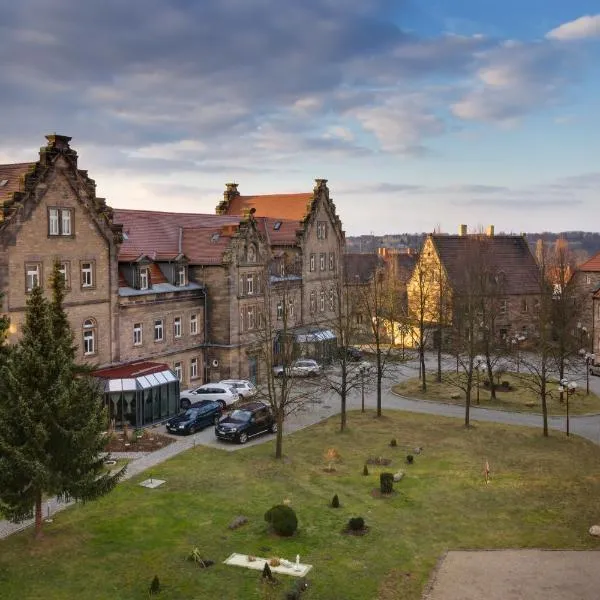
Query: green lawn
[[543, 494], [520, 397]]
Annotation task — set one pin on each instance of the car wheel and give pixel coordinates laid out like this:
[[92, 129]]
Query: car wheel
[[185, 404], [222, 403], [243, 438], [216, 419], [273, 428], [192, 430]]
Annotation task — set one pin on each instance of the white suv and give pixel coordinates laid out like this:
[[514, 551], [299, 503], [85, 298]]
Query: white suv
[[303, 367], [246, 389], [219, 392]]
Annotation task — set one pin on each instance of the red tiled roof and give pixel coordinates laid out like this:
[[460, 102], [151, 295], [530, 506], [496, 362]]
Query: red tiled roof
[[591, 265], [205, 245], [132, 370], [11, 174], [161, 235], [283, 235], [284, 206], [509, 254]]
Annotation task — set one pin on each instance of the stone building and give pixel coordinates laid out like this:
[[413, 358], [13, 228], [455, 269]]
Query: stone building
[[586, 279], [441, 271], [50, 213]]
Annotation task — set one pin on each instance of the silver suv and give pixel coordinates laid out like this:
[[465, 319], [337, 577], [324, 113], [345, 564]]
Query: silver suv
[[219, 392], [303, 367]]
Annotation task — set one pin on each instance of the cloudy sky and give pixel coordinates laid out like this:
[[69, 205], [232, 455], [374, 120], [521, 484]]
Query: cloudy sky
[[420, 113]]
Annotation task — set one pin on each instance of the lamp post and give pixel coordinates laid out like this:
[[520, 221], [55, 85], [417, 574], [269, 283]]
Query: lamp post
[[477, 362], [362, 370], [569, 387], [589, 360], [582, 330], [517, 342]]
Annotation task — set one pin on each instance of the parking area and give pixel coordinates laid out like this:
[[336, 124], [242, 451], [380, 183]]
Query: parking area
[[517, 575]]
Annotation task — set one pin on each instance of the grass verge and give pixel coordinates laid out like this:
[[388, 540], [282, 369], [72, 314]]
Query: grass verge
[[543, 494]]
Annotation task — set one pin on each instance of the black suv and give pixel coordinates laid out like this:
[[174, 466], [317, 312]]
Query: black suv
[[247, 421]]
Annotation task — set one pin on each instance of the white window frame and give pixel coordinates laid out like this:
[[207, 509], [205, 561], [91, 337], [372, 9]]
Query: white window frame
[[144, 278], [251, 318], [331, 298], [280, 310], [65, 221], [250, 285], [137, 334], [159, 330], [313, 302], [503, 309], [64, 270], [181, 276], [177, 327], [33, 273], [193, 368], [89, 337], [332, 261], [241, 320], [87, 274], [312, 262], [178, 370], [322, 301], [53, 221], [194, 324], [322, 261], [291, 307]]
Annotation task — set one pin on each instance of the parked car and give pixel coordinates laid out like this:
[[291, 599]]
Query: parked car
[[354, 354], [303, 367], [220, 392], [249, 420], [246, 389], [594, 369], [205, 413]]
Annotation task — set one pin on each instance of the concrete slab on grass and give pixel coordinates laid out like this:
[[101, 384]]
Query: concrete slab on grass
[[258, 564], [152, 483]]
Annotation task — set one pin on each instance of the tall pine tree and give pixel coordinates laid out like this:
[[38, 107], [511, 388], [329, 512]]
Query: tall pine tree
[[51, 416]]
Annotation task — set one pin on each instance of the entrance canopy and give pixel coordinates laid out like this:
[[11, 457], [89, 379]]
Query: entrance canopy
[[308, 335], [137, 376]]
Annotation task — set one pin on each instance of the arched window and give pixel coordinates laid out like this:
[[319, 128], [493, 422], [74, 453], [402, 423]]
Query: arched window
[[89, 337], [251, 253]]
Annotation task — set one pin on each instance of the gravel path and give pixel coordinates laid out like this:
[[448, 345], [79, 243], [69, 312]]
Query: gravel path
[[517, 575]]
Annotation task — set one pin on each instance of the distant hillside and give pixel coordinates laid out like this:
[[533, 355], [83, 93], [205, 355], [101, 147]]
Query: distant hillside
[[585, 243]]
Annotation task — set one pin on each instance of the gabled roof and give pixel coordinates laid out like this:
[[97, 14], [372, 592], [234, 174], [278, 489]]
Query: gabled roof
[[360, 268], [167, 235], [507, 254], [278, 232], [592, 265], [292, 207], [11, 174]]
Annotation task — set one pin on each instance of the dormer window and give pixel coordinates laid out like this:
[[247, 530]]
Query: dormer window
[[181, 275], [277, 225], [144, 278], [251, 253]]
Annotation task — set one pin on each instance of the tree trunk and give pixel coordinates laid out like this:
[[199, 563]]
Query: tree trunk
[[279, 437], [439, 356], [468, 407], [423, 374], [38, 516], [490, 373], [343, 410], [544, 404]]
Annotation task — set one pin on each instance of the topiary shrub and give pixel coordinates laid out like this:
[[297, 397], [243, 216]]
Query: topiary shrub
[[266, 573], [393, 443], [335, 502], [365, 470], [282, 519], [410, 459], [154, 586], [386, 483], [356, 524]]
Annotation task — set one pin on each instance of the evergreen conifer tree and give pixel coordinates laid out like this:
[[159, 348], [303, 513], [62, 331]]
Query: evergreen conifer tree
[[51, 416]]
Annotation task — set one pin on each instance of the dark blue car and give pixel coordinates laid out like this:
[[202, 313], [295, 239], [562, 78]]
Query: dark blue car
[[197, 417]]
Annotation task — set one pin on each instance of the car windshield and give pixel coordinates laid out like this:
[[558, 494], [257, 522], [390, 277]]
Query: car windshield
[[241, 415], [191, 413]]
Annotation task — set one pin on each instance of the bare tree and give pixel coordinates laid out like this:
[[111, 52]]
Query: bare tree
[[380, 302], [276, 344]]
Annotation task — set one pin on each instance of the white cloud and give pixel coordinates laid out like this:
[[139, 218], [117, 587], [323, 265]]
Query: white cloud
[[587, 26]]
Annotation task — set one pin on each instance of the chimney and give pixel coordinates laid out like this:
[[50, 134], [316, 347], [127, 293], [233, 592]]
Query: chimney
[[58, 142], [490, 231], [462, 230]]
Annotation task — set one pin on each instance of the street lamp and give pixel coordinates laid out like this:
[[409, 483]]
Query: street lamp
[[517, 342], [569, 387], [478, 362], [363, 369], [589, 360], [582, 329]]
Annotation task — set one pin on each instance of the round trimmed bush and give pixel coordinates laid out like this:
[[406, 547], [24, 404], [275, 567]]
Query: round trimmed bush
[[356, 524], [283, 519]]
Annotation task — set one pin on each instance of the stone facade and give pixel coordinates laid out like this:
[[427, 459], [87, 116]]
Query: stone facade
[[54, 215]]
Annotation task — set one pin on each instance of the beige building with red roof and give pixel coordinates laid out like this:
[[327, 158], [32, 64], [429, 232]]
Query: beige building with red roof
[[181, 289], [587, 280]]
